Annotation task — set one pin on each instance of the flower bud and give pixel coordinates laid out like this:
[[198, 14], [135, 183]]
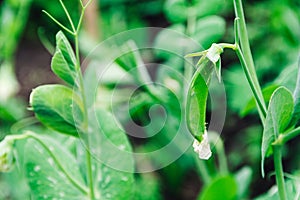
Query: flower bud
[[6, 154]]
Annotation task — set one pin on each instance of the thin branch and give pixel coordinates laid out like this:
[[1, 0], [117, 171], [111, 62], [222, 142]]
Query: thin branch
[[81, 4], [87, 4], [285, 137], [236, 31], [68, 15], [58, 23], [80, 20], [255, 92], [245, 48]]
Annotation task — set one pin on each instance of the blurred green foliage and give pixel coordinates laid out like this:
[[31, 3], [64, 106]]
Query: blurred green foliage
[[274, 31]]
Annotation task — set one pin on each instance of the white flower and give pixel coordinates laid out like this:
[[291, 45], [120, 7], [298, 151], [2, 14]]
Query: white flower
[[213, 53], [203, 147]]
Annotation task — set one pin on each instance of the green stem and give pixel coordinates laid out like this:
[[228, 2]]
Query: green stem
[[222, 157], [191, 21], [18, 126], [245, 56], [256, 92], [82, 91], [188, 69], [59, 165], [58, 23], [68, 15], [202, 170], [87, 4], [142, 77], [284, 138], [80, 20], [89, 170], [246, 52], [75, 33], [279, 172]]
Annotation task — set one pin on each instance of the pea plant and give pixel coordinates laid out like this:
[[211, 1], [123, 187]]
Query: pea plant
[[78, 154], [280, 118], [51, 167]]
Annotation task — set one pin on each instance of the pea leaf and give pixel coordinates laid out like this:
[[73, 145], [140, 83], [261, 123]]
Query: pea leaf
[[47, 180], [278, 117], [296, 112], [114, 176], [179, 10], [292, 191], [208, 30], [196, 99], [243, 178], [223, 187], [58, 108], [251, 105], [64, 61]]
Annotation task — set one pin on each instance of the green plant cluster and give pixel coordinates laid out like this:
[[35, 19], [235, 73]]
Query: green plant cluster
[[70, 148]]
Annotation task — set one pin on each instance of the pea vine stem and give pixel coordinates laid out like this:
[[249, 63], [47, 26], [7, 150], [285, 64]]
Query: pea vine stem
[[75, 32], [242, 35], [190, 29], [82, 92], [245, 56], [279, 171], [285, 137], [249, 77], [86, 137]]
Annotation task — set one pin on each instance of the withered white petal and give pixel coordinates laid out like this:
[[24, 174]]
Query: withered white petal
[[213, 53], [202, 148]]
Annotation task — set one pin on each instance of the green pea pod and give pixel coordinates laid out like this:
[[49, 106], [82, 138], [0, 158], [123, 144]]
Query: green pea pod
[[198, 90], [197, 98]]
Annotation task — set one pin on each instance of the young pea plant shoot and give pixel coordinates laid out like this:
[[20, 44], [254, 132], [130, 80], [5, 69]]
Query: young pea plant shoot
[[52, 169]]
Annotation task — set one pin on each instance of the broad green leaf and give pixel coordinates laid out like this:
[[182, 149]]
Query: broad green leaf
[[64, 61], [12, 110], [251, 105], [233, 77], [58, 108], [48, 179], [197, 98], [179, 10], [288, 77], [207, 31], [152, 184], [278, 117], [296, 112], [114, 177], [13, 18], [127, 60], [224, 188], [243, 179], [133, 63], [166, 47], [176, 10], [292, 191]]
